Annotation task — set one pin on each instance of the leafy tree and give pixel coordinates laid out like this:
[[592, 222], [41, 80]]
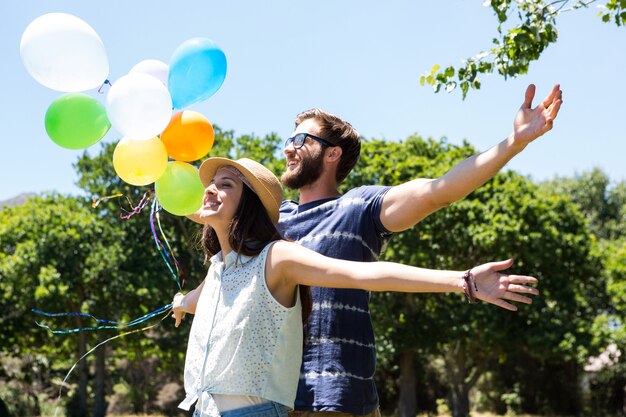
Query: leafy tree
[[604, 206], [57, 255], [603, 203], [507, 217], [533, 29]]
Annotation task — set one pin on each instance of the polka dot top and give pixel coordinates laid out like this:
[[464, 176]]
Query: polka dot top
[[242, 340]]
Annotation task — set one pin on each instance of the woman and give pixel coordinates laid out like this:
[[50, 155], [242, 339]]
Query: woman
[[245, 344]]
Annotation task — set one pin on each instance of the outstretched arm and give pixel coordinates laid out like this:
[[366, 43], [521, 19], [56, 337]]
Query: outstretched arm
[[407, 204], [291, 264]]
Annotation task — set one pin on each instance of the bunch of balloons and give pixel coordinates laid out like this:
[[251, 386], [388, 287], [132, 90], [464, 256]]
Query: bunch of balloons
[[64, 53]]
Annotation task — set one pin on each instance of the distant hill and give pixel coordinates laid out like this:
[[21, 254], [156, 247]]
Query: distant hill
[[17, 200]]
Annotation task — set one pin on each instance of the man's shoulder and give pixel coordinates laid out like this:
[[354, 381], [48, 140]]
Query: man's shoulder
[[356, 199], [288, 205], [366, 191]]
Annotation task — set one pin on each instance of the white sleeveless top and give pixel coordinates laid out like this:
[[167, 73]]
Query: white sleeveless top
[[242, 340]]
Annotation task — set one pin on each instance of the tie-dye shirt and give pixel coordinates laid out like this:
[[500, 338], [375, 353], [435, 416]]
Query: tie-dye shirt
[[339, 357]]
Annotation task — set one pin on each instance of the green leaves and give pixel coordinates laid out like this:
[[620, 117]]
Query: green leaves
[[533, 30], [615, 11], [545, 232], [59, 254], [56, 254]]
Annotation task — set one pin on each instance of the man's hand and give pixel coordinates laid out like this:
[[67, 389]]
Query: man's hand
[[531, 123], [494, 287]]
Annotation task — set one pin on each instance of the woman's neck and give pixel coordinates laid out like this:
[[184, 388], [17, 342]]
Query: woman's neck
[[222, 237]]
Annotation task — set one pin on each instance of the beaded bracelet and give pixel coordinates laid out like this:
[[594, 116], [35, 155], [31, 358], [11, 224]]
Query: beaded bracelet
[[469, 287]]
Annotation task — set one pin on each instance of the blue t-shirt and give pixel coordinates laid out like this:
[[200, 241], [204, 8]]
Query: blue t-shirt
[[339, 358]]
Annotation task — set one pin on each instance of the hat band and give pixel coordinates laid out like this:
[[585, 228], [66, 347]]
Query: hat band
[[239, 175]]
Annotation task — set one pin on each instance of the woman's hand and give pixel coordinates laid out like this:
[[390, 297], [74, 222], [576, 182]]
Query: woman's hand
[[178, 312], [495, 287]]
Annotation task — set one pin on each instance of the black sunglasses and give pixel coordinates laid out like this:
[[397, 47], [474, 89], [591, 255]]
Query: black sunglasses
[[299, 138]]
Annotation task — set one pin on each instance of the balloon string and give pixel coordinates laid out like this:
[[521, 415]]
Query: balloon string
[[179, 269], [142, 203], [153, 211], [164, 249], [167, 310], [109, 323], [74, 314], [168, 258], [134, 210], [103, 84], [97, 202]]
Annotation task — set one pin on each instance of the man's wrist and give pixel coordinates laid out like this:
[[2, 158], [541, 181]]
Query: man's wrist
[[515, 144]]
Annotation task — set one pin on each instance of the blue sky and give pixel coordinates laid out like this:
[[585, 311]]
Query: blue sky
[[359, 59]]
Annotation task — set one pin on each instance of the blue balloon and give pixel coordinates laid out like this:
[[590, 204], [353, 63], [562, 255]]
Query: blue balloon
[[197, 70]]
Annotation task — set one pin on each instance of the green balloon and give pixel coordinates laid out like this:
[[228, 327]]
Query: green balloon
[[179, 190], [76, 121]]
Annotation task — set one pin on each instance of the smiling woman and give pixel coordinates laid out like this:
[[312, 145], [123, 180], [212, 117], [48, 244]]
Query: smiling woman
[[245, 345]]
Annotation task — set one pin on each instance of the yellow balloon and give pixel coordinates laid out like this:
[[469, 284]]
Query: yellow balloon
[[140, 162]]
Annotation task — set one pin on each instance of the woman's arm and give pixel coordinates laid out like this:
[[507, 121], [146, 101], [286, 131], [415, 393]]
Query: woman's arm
[[293, 264], [186, 303]]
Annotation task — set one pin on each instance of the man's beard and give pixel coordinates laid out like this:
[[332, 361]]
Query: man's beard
[[309, 171]]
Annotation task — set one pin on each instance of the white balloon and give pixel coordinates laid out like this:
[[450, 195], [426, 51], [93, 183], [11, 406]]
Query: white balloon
[[154, 67], [139, 106], [64, 53]]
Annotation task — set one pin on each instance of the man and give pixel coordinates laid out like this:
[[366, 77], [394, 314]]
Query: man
[[339, 356]]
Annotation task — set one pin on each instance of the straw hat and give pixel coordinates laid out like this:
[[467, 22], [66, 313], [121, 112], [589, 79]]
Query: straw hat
[[264, 183]]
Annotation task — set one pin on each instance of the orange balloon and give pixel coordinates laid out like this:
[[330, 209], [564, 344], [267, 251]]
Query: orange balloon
[[188, 137]]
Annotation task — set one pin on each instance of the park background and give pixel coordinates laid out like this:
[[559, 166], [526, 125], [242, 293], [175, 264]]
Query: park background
[[363, 61]]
